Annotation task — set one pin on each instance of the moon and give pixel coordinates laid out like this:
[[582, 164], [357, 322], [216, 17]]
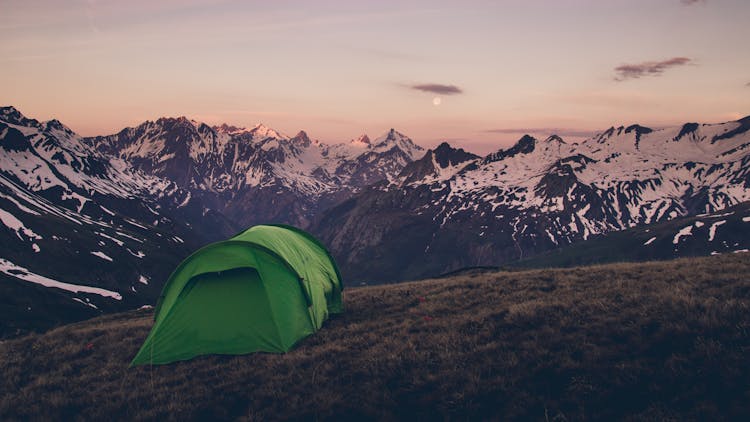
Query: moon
[[436, 101]]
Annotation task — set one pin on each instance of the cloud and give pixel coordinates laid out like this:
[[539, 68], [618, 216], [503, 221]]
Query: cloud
[[747, 84], [691, 2], [574, 133], [635, 71], [437, 89]]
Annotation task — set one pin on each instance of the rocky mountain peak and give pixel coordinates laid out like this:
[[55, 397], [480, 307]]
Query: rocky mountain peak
[[525, 145], [229, 129], [393, 135], [438, 164], [57, 125], [685, 130], [362, 140], [395, 140], [447, 156], [743, 127], [301, 139], [554, 138], [444, 147], [173, 122], [261, 131], [638, 129], [8, 110], [11, 115], [389, 138]]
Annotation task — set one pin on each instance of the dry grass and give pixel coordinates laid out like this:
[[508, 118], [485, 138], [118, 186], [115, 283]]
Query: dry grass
[[665, 340]]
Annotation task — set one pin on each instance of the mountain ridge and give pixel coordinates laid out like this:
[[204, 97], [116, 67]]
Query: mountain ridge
[[232, 167], [131, 205], [535, 196]]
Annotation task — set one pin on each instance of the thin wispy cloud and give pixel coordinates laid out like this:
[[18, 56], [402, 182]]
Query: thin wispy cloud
[[437, 89], [575, 133], [691, 2], [638, 70]]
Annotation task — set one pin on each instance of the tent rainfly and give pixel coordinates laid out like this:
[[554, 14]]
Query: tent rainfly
[[262, 290]]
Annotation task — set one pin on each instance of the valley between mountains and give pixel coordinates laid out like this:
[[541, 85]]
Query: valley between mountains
[[93, 225]]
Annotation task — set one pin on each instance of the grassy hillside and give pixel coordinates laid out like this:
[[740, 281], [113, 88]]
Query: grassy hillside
[[666, 340]]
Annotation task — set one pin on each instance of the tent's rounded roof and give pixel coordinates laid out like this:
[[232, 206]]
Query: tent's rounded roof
[[292, 244], [283, 245]]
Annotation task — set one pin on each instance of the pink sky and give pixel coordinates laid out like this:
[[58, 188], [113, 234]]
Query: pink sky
[[477, 73]]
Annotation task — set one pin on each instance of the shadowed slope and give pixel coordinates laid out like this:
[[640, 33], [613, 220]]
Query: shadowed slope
[[654, 341]]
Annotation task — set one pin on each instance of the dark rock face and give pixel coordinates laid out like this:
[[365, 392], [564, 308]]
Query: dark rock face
[[742, 128], [687, 129], [638, 130], [434, 162], [525, 145], [11, 115], [13, 139]]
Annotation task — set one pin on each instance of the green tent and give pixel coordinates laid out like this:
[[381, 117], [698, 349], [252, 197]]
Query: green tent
[[262, 290]]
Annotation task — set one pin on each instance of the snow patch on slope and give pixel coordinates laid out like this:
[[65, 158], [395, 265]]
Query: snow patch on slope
[[102, 255], [712, 229], [10, 221], [685, 231], [22, 273]]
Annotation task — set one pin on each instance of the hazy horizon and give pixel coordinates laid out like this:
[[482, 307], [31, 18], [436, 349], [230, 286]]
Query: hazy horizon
[[478, 74]]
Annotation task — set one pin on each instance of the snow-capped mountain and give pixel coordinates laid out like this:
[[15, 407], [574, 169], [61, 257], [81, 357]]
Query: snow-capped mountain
[[451, 209], [85, 224], [258, 175], [97, 224]]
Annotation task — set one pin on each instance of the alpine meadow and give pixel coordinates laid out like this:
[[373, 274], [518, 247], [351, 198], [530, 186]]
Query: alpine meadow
[[332, 210], [652, 341]]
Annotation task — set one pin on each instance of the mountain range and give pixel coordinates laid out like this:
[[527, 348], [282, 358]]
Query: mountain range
[[96, 224], [451, 209], [257, 175]]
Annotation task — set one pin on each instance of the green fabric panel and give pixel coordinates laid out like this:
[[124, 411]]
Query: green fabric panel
[[287, 304], [224, 313], [309, 259], [220, 256], [339, 280]]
